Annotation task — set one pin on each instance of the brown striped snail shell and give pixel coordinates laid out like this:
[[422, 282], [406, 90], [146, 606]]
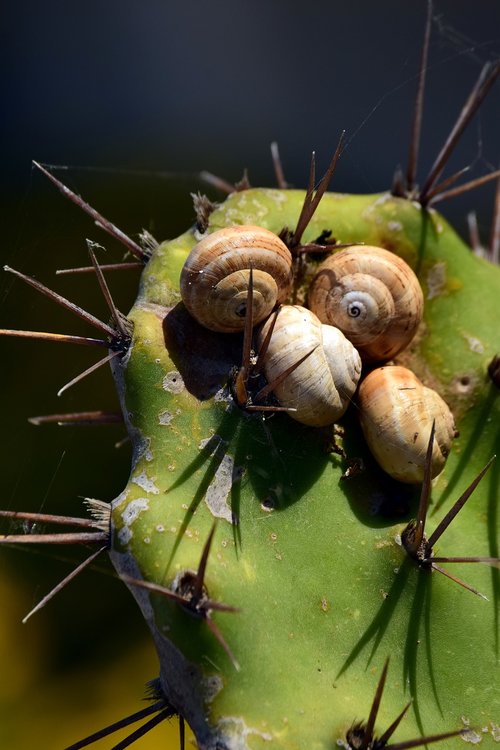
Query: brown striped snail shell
[[214, 279], [373, 296], [396, 412], [321, 387]]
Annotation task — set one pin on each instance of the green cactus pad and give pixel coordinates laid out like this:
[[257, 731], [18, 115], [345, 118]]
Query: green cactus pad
[[311, 559]]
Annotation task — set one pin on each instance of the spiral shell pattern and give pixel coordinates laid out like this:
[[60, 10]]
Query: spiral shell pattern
[[321, 387], [214, 279], [396, 412], [373, 296]]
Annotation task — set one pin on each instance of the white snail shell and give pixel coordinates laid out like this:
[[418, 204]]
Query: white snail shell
[[214, 279], [396, 413], [321, 387], [373, 296]]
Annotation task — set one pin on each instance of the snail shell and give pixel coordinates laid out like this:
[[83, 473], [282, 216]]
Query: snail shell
[[321, 387], [373, 296], [214, 279], [396, 413]]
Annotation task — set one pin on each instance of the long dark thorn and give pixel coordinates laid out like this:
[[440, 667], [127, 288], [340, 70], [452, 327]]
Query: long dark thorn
[[265, 344], [494, 561], [106, 293], [278, 167], [446, 183], [218, 635], [88, 371], [494, 245], [425, 740], [79, 418], [464, 188], [61, 338], [458, 506], [426, 485], [104, 267], [370, 724], [262, 407], [48, 518], [270, 387], [197, 589], [316, 247], [218, 182], [125, 722], [63, 583], [311, 202], [156, 588], [413, 543], [458, 580], [105, 224], [484, 83], [147, 727], [72, 538], [386, 736], [64, 302], [411, 170]]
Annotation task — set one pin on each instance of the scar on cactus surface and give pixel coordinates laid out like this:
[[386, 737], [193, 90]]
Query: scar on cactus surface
[[312, 564]]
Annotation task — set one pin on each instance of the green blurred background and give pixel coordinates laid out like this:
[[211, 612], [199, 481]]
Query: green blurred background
[[135, 98]]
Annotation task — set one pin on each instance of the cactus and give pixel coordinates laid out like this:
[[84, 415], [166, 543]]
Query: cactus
[[272, 561]]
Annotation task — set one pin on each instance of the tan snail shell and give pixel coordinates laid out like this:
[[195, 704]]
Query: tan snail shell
[[396, 412], [321, 387], [373, 296], [214, 279]]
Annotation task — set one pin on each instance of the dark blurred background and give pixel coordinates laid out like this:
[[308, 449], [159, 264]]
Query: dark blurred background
[[132, 100]]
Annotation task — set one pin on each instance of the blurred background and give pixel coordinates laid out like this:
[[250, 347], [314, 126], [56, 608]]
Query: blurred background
[[132, 100]]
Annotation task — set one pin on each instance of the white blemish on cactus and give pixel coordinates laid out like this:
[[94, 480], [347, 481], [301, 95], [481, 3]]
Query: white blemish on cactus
[[436, 280], [212, 685], [125, 535], [471, 736], [173, 382], [218, 491], [384, 198], [142, 448], [474, 344], [145, 483], [134, 509], [394, 226], [235, 733], [495, 731], [165, 417]]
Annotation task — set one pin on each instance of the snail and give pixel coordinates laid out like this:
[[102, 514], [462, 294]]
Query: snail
[[319, 389], [396, 412], [373, 296], [214, 279]]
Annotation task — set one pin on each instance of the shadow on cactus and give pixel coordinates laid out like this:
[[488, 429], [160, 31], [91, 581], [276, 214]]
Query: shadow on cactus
[[314, 552]]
